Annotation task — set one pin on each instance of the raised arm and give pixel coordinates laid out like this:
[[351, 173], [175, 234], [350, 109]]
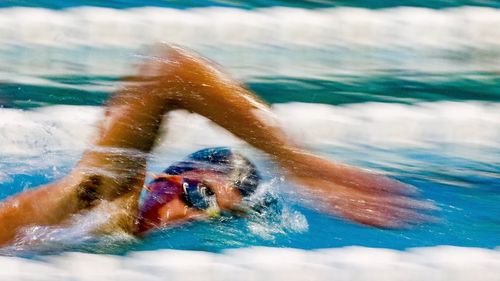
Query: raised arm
[[173, 78], [184, 80], [113, 169]]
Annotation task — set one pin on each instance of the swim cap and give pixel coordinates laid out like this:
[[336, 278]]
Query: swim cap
[[223, 160]]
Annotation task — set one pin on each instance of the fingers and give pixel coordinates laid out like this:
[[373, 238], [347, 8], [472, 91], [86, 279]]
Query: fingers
[[408, 203], [380, 214], [378, 210]]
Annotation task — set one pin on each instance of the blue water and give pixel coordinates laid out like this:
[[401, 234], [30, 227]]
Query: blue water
[[465, 188], [459, 172]]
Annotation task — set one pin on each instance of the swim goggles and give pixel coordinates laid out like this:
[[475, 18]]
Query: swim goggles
[[197, 194]]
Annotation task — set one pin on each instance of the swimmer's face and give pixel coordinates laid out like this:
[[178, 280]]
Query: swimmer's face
[[223, 192], [227, 196]]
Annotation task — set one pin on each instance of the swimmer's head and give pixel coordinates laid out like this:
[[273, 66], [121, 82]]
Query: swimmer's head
[[208, 181], [222, 161]]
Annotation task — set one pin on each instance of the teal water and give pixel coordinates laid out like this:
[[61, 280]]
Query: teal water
[[424, 110], [390, 87]]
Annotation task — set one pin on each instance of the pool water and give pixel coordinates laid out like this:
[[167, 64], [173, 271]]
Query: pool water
[[420, 106]]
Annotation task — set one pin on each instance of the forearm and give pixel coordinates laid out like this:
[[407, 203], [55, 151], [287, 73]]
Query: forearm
[[46, 205]]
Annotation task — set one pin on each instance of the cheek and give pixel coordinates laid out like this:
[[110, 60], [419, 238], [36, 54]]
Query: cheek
[[228, 198], [174, 210]]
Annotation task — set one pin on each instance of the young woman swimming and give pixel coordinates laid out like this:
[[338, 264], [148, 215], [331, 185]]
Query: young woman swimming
[[113, 169]]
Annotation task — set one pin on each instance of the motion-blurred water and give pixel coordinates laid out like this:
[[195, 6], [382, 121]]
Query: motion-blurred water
[[406, 91]]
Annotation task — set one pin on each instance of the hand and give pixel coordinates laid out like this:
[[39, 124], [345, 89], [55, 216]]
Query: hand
[[356, 194]]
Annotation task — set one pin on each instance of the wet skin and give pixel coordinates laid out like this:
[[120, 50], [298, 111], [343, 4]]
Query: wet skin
[[113, 169]]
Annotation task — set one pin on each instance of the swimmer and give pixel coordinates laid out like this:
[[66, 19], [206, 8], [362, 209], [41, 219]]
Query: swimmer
[[112, 171], [206, 184]]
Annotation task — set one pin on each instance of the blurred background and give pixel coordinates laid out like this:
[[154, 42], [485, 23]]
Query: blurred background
[[332, 52], [410, 89]]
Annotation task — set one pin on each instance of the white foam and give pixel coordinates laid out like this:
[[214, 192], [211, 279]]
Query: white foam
[[278, 26], [258, 263], [46, 129], [277, 41], [63, 128], [393, 124]]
